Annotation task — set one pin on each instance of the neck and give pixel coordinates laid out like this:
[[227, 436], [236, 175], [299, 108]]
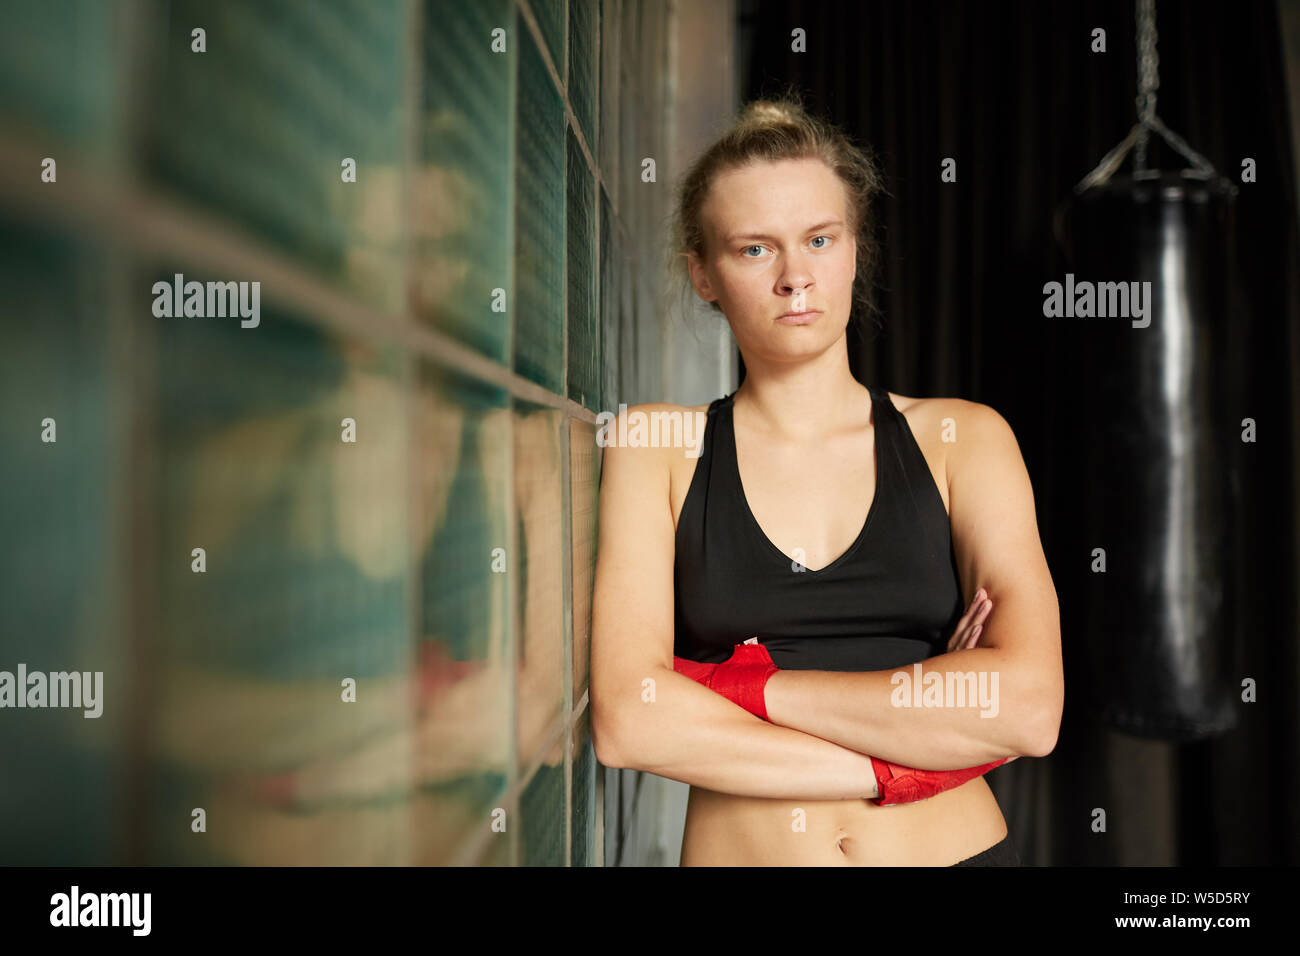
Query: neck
[[803, 400]]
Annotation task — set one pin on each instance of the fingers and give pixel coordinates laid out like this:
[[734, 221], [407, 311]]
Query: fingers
[[974, 605], [961, 634], [971, 624], [978, 623]]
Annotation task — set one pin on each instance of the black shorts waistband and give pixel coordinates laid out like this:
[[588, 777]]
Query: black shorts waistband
[[1002, 853]]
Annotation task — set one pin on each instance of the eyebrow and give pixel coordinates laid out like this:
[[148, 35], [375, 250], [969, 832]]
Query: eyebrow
[[758, 235]]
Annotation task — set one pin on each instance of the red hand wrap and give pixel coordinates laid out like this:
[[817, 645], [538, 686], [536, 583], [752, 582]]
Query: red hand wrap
[[740, 678], [743, 676], [899, 784], [695, 670]]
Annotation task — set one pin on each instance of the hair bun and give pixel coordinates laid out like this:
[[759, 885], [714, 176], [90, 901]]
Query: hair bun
[[770, 113]]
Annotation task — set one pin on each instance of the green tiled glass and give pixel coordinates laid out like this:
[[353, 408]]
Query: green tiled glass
[[550, 19], [538, 307], [306, 588], [59, 72], [628, 793], [583, 61], [584, 331], [461, 192], [613, 814], [463, 428], [385, 561], [584, 482], [582, 828], [463, 435], [63, 775], [632, 357], [256, 129], [610, 70], [539, 571], [305, 532], [545, 814], [633, 145], [611, 256]]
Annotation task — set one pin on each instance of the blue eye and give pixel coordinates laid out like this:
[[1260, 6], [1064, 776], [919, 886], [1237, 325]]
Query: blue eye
[[815, 238], [747, 248]]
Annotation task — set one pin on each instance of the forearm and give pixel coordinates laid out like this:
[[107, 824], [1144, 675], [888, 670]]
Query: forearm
[[978, 707], [689, 733]]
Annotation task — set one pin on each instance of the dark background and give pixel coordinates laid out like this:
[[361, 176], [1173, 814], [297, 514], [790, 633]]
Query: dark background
[[1014, 93]]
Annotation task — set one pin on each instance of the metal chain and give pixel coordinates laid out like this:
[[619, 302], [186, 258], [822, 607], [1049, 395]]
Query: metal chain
[[1148, 68]]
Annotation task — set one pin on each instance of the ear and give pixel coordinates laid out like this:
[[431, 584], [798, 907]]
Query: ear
[[699, 278]]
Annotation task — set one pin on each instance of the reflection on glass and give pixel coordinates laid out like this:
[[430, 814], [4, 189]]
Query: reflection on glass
[[584, 332], [63, 566], [583, 825], [584, 481], [459, 194], [315, 650], [280, 671], [257, 128], [539, 222], [465, 685], [539, 516], [544, 814]]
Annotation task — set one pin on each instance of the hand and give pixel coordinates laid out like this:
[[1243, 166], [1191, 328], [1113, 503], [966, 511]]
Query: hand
[[971, 624], [741, 678], [896, 784]]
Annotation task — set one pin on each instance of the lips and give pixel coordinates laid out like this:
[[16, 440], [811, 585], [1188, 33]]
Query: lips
[[799, 318]]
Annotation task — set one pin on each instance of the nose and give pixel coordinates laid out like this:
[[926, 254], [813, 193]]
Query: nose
[[796, 276]]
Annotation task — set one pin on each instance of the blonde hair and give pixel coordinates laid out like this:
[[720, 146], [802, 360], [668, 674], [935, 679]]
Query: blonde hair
[[780, 129]]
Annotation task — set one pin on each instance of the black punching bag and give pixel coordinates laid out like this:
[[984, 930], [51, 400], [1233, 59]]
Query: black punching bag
[[1157, 451]]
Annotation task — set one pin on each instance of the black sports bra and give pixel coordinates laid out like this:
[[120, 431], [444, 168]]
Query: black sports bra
[[893, 598]]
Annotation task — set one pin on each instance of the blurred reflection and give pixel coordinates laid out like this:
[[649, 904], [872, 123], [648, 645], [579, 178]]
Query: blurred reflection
[[306, 584], [419, 761], [584, 471], [61, 567], [324, 560], [539, 503]]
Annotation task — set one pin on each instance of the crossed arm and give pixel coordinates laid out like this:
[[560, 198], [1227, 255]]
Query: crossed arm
[[822, 724], [1018, 657]]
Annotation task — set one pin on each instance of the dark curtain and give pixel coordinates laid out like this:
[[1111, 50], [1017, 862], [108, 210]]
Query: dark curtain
[[1014, 93]]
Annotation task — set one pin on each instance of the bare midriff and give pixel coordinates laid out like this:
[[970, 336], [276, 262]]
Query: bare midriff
[[723, 829]]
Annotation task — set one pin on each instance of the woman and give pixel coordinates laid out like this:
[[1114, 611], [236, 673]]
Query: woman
[[759, 535]]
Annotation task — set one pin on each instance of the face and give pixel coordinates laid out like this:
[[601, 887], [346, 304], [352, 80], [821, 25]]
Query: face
[[778, 240]]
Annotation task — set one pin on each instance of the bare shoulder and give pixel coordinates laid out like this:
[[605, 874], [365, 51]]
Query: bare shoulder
[[651, 436], [951, 413], [954, 432], [665, 441], [635, 480], [908, 403], [648, 425]]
